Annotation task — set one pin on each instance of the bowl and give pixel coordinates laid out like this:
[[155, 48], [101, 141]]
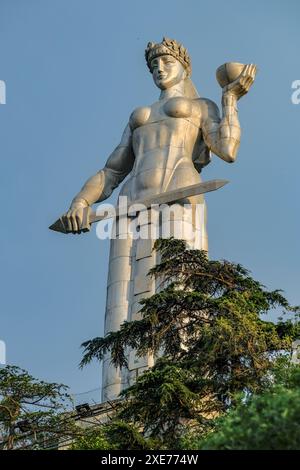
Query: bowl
[[228, 72]]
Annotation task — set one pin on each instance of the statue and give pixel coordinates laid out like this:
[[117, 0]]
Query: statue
[[163, 148]]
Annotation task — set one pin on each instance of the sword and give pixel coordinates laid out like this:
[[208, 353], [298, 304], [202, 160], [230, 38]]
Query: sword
[[164, 198]]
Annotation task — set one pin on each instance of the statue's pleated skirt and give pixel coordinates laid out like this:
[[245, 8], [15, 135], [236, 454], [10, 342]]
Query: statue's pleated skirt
[[131, 258]]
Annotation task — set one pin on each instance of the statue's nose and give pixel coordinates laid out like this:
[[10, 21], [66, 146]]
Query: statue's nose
[[160, 66]]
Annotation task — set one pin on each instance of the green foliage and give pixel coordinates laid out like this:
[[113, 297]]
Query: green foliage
[[170, 393], [117, 435], [37, 407], [269, 421], [208, 320], [94, 439]]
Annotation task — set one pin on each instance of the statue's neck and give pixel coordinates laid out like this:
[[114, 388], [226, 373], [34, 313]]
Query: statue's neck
[[176, 90]]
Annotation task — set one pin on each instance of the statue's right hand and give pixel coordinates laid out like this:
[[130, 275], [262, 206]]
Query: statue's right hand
[[76, 220]]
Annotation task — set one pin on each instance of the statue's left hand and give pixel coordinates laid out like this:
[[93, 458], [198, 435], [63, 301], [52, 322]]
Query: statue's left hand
[[242, 84]]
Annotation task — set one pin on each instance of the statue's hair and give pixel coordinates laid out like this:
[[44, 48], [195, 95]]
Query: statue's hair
[[168, 47]]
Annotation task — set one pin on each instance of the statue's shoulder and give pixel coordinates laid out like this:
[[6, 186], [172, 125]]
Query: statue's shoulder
[[206, 107], [139, 117]]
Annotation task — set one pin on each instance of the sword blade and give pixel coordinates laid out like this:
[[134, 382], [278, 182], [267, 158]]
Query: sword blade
[[164, 198], [182, 193]]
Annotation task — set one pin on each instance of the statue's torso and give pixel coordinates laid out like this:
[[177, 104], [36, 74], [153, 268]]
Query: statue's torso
[[165, 138]]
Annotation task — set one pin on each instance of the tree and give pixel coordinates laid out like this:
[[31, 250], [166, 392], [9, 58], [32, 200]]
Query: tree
[[116, 435], [208, 320], [32, 412], [269, 421], [93, 439]]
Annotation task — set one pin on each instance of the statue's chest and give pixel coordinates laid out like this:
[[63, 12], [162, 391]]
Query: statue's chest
[[162, 111]]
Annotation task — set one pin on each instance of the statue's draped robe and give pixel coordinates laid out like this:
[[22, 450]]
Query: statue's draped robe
[[129, 263]]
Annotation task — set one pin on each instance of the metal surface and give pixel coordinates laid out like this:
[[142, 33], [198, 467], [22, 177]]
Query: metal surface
[[164, 198]]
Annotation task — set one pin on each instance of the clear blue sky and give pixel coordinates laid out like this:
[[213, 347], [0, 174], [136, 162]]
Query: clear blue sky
[[74, 71]]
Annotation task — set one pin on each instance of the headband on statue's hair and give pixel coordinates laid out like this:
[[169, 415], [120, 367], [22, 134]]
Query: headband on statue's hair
[[168, 47]]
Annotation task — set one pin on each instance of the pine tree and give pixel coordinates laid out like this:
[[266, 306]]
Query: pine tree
[[32, 412], [211, 321]]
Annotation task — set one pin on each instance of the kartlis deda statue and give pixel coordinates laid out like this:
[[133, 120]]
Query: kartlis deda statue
[[163, 148]]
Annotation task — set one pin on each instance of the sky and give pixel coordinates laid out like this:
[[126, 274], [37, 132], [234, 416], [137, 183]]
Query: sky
[[74, 70]]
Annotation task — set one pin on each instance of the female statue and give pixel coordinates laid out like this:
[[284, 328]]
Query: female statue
[[164, 147]]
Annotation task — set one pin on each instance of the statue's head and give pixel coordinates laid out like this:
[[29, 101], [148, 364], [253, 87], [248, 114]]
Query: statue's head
[[168, 62]]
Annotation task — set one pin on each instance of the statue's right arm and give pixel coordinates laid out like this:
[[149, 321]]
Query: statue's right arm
[[100, 186]]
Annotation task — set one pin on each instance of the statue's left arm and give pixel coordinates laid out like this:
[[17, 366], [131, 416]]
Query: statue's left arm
[[222, 134]]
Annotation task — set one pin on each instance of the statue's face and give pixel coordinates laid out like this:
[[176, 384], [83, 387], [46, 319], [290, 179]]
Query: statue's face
[[167, 71]]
